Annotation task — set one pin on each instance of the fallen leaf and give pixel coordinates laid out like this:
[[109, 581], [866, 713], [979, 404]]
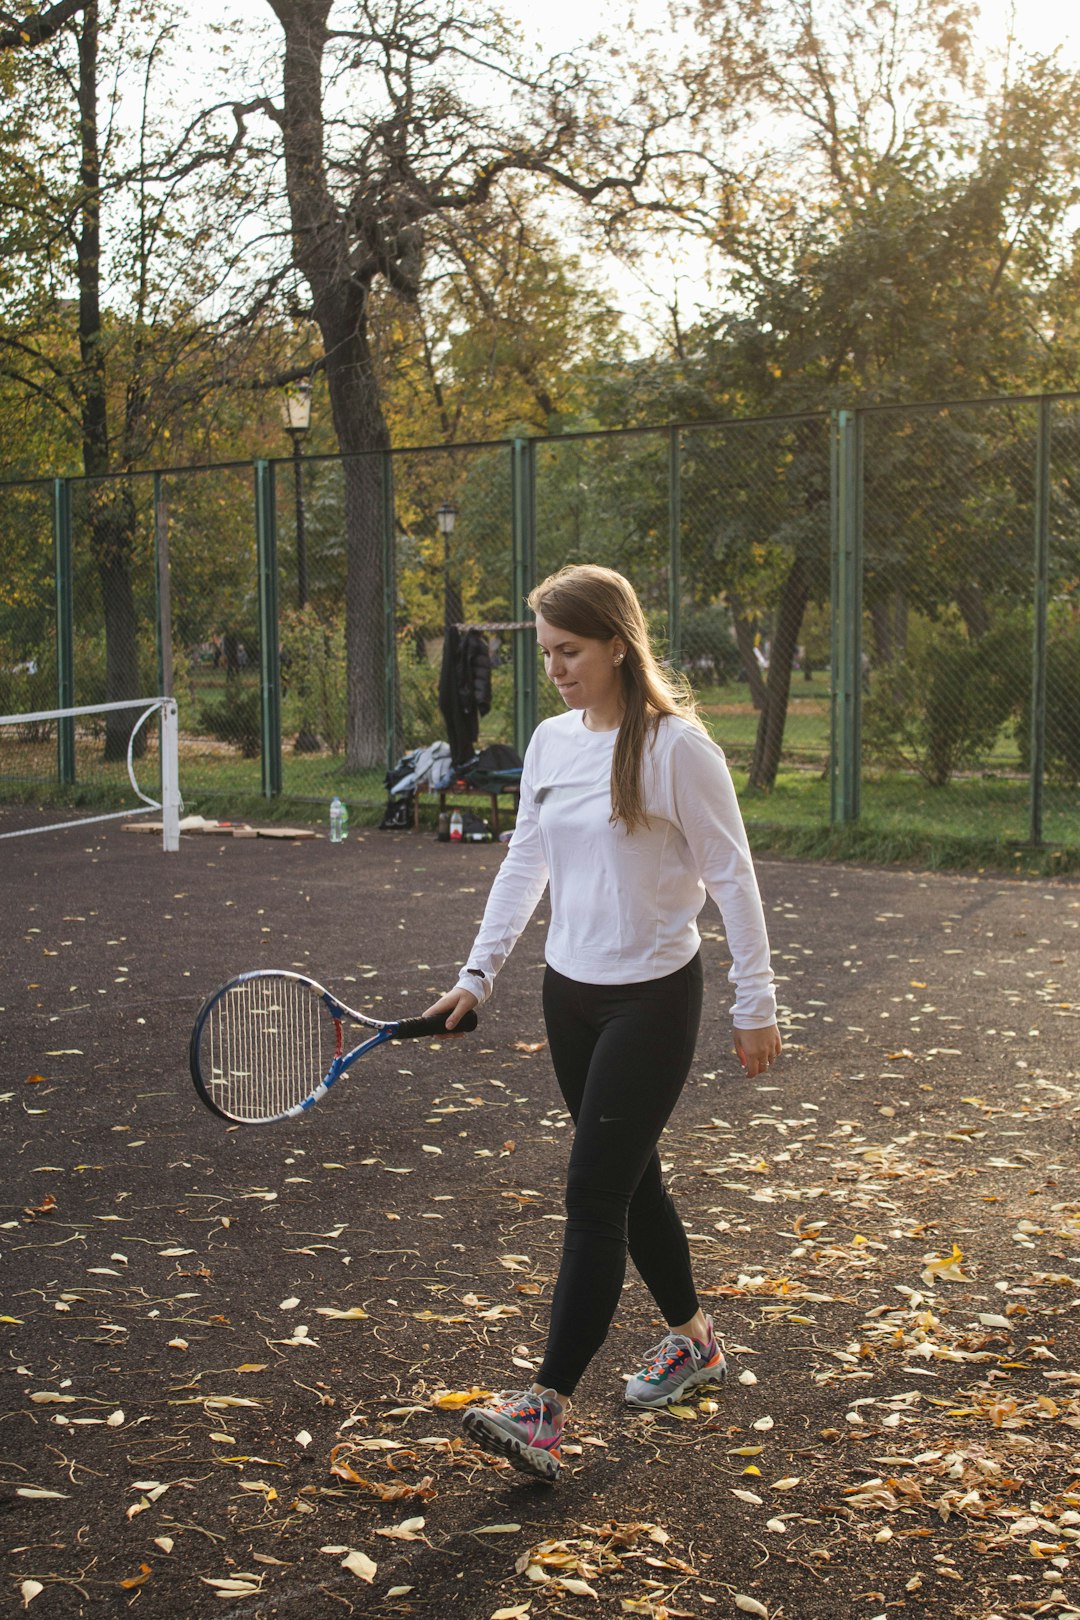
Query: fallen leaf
[[360, 1565], [132, 1581], [407, 1530], [449, 1399]]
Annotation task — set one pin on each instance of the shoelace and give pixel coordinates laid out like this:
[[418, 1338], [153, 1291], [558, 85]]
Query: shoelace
[[667, 1353], [523, 1407]]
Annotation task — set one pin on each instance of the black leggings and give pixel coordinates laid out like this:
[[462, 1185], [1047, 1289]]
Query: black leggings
[[621, 1054]]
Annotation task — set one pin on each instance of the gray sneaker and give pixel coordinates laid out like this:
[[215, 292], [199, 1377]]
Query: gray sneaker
[[675, 1366], [524, 1427]]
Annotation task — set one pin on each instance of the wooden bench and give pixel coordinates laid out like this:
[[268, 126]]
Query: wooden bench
[[454, 796]]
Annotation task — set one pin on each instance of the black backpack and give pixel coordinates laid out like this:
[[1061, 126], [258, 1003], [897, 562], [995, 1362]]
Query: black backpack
[[398, 815]]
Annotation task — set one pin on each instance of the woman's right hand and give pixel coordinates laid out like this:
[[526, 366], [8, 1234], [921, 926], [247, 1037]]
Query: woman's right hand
[[453, 1006]]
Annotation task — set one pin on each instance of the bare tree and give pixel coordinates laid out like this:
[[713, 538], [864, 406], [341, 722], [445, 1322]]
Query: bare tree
[[414, 112]]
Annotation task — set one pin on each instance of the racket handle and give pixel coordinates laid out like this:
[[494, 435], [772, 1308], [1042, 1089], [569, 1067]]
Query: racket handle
[[414, 1029]]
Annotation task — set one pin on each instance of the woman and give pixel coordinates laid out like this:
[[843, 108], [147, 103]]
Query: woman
[[628, 812]]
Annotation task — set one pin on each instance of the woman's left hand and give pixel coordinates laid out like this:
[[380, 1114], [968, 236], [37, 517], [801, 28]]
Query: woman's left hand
[[757, 1048]]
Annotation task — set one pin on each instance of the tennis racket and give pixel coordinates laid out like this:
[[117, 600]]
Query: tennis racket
[[269, 1044]]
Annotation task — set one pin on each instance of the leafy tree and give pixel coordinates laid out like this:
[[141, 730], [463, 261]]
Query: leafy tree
[[504, 337], [390, 124], [898, 229]]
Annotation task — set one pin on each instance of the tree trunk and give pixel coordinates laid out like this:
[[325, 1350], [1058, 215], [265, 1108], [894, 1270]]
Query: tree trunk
[[321, 251], [770, 734], [973, 610], [111, 509]]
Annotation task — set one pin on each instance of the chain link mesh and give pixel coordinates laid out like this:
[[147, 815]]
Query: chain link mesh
[[725, 530], [949, 502]]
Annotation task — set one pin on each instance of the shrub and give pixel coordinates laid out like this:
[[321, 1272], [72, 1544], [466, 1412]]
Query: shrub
[[421, 720], [709, 654], [237, 720], [941, 707], [27, 686], [313, 677], [1062, 711]]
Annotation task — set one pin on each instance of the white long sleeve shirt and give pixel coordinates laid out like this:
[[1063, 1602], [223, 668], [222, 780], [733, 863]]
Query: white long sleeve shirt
[[624, 906]]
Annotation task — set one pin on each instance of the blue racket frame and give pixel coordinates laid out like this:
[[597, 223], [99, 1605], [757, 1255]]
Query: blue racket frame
[[404, 1029]]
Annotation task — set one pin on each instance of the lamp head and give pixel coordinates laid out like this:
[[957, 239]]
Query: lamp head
[[446, 517], [296, 407]]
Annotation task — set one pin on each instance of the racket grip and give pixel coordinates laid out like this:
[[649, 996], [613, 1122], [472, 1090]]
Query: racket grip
[[414, 1029]]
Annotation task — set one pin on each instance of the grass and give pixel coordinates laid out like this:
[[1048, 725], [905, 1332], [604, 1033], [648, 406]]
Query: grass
[[975, 823]]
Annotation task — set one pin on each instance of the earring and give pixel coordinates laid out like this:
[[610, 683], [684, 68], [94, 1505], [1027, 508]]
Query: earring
[[618, 658]]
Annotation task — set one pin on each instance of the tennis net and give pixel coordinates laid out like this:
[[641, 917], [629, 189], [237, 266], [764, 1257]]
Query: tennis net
[[59, 755]]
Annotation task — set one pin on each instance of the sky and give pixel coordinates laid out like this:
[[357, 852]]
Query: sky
[[558, 24], [642, 296]]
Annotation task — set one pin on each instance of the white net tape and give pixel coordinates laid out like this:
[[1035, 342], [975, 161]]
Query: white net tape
[[169, 803]]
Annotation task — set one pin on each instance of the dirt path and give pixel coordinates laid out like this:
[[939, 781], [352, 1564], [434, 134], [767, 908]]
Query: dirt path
[[236, 1356]]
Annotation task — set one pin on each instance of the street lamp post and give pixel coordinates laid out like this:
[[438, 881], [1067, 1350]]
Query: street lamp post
[[296, 417], [446, 517]]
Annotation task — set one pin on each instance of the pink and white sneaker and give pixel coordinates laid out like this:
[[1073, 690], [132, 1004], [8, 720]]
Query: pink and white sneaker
[[674, 1367], [524, 1427]]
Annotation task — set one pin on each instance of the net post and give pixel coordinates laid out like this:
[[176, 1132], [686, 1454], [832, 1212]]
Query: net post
[[170, 778], [163, 577]]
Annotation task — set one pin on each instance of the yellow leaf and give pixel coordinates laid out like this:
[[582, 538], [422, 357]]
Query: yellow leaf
[[449, 1399], [945, 1268], [140, 1579], [355, 1314]]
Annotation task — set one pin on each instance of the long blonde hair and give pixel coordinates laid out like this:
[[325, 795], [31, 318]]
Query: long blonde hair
[[600, 604]]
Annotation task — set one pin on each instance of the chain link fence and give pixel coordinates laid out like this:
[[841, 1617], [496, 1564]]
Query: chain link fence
[[894, 604]]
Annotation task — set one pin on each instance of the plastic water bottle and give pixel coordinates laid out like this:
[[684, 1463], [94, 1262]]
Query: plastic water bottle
[[339, 821], [457, 827]]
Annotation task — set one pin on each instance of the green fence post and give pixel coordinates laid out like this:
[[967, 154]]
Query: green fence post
[[269, 651], [163, 588], [523, 511], [847, 568], [65, 629], [675, 651], [389, 537], [1039, 628]]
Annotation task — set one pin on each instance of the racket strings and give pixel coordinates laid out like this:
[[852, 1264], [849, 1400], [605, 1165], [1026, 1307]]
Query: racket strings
[[269, 1043]]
